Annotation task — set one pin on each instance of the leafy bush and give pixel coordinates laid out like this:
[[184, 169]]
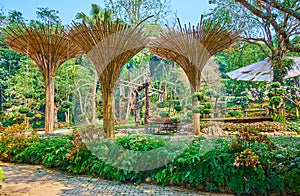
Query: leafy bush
[[276, 100], [162, 104], [208, 105], [259, 126], [235, 113], [2, 176], [189, 106], [14, 140], [66, 104], [176, 102], [280, 91], [24, 110], [207, 111], [198, 96], [293, 126], [28, 95], [275, 85], [250, 163], [270, 94], [177, 108], [198, 109], [164, 114], [30, 114], [6, 105], [140, 143]]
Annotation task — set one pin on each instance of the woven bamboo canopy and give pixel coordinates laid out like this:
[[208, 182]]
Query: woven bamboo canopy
[[49, 47], [191, 46], [109, 45]]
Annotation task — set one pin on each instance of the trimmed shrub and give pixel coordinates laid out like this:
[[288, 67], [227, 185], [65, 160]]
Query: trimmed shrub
[[6, 105], [189, 106], [24, 110], [164, 114], [30, 114], [199, 96], [275, 85], [177, 108], [66, 104]]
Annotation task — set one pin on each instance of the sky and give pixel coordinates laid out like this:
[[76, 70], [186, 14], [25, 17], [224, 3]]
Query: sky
[[187, 10]]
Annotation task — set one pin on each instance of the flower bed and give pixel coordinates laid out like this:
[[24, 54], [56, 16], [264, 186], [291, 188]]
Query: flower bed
[[271, 128], [249, 163]]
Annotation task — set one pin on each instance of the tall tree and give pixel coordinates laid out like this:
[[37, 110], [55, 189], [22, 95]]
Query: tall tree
[[9, 59], [96, 13], [134, 11], [270, 23], [48, 16]]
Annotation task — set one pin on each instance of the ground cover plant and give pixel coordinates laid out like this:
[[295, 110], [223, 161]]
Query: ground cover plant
[[2, 176], [249, 163], [263, 127]]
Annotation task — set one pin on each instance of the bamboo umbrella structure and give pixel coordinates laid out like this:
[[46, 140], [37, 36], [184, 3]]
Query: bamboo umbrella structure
[[109, 45], [49, 47], [191, 47]]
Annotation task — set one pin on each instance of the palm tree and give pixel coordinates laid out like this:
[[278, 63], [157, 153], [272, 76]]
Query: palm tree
[[96, 13]]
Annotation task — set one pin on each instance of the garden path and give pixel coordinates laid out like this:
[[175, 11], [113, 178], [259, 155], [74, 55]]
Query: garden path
[[35, 180]]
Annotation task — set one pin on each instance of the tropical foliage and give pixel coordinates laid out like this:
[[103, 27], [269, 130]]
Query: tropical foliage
[[250, 163]]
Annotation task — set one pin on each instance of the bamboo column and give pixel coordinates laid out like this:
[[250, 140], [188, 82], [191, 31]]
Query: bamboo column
[[109, 46], [191, 47], [48, 47]]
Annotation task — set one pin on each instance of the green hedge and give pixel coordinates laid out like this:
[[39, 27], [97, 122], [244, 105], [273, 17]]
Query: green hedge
[[250, 163]]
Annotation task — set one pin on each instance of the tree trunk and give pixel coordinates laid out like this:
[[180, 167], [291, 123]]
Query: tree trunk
[[147, 106], [94, 91], [67, 118], [137, 110], [108, 113], [49, 116], [55, 117]]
